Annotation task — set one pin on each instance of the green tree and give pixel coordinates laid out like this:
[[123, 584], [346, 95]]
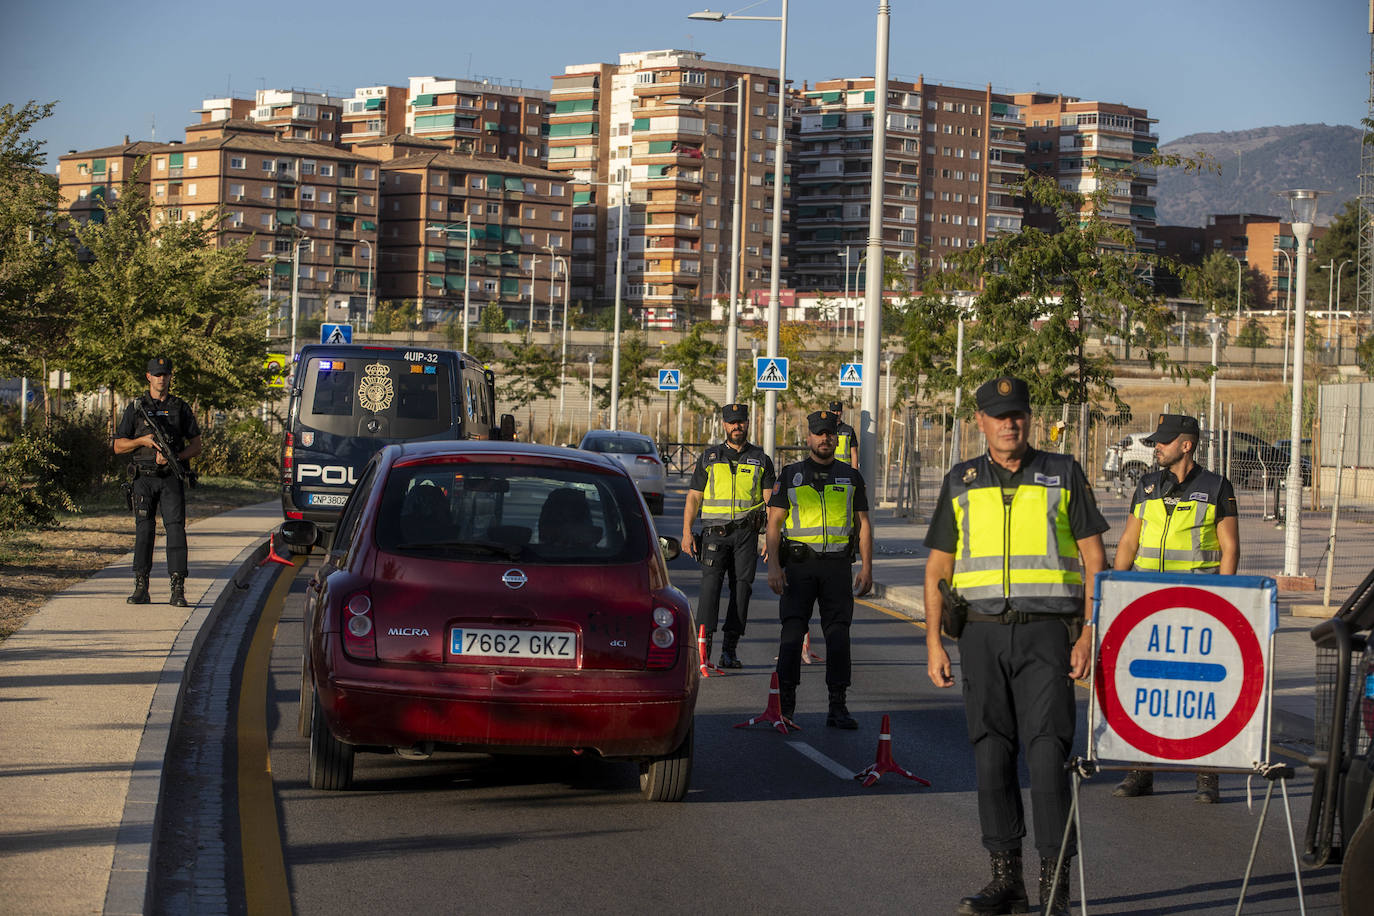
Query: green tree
[[34, 319], [1341, 243], [530, 374], [929, 332], [698, 357], [392, 315], [1252, 335], [139, 289], [1214, 283], [493, 318]]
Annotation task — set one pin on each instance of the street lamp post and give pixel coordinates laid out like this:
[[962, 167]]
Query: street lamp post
[[371, 282], [1304, 204], [467, 266], [591, 363], [873, 300], [844, 319], [1240, 266], [1287, 310], [534, 277], [563, 349], [295, 290], [1213, 331], [770, 408]]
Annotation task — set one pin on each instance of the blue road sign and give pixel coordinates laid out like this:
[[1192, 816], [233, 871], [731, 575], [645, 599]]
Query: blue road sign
[[336, 333], [669, 380], [852, 375], [770, 373]]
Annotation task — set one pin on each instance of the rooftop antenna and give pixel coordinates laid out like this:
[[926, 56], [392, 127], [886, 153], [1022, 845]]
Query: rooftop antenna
[[152, 127], [469, 65]]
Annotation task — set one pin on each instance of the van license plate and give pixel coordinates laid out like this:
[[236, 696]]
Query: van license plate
[[328, 499], [469, 642]]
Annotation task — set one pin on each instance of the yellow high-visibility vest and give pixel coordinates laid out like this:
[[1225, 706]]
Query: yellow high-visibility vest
[[1024, 551], [822, 518], [1184, 540], [732, 492]]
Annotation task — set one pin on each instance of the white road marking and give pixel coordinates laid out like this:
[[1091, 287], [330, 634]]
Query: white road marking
[[806, 750]]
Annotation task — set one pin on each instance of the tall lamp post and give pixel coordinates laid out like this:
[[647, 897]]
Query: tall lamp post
[[467, 266], [371, 281], [1213, 440], [873, 299], [534, 277], [563, 349], [1240, 266], [591, 365], [1287, 311], [736, 231], [1304, 204], [295, 291], [770, 402]]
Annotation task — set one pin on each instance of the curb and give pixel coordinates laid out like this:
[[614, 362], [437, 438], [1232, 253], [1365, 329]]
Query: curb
[[136, 840]]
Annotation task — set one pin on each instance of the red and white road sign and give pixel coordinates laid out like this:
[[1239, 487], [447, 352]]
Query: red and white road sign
[[1182, 669]]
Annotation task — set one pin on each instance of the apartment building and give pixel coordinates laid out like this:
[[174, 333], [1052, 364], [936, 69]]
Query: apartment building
[[483, 230], [950, 154], [276, 194], [86, 180], [293, 114], [660, 127], [373, 112], [1267, 250], [479, 117], [1072, 141]]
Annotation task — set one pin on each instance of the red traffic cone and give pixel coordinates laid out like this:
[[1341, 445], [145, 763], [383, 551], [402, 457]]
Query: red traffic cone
[[707, 669], [885, 763], [807, 655], [272, 554], [773, 714]]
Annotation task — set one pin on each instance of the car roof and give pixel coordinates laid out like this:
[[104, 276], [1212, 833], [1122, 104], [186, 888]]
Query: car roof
[[616, 434], [470, 447]]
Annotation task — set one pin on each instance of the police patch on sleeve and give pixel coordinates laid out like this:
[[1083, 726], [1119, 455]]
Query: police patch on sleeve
[[797, 479], [1149, 488], [969, 474]]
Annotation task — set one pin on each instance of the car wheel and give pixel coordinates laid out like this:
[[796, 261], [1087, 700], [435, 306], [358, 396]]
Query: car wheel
[[655, 504], [1357, 872], [665, 779], [1132, 471], [331, 761], [305, 711]]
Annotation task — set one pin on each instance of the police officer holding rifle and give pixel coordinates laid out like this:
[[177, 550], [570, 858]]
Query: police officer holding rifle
[[160, 434], [1018, 536]]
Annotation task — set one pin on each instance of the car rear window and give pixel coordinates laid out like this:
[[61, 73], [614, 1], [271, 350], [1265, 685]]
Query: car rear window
[[377, 398], [619, 446], [511, 511]]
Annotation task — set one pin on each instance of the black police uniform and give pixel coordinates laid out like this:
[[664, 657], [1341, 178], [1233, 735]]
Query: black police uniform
[[843, 429], [155, 486], [817, 579], [730, 547]]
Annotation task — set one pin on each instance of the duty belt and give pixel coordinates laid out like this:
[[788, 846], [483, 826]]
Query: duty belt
[[1009, 617], [720, 531]]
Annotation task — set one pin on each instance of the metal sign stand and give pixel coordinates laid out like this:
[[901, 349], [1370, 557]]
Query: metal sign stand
[[1086, 767]]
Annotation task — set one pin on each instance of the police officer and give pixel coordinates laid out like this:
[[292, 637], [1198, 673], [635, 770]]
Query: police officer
[[728, 486], [817, 517], [1183, 519], [154, 484], [1008, 531], [846, 440]]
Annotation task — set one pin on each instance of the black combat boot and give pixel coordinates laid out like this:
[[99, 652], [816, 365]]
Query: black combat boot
[[728, 658], [140, 595], [1208, 789], [1136, 783], [1005, 893], [1058, 905], [839, 716], [787, 700], [178, 598]]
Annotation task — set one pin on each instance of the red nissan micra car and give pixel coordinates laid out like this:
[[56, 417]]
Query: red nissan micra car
[[497, 597]]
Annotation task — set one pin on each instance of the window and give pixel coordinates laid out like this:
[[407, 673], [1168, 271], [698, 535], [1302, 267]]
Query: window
[[236, 192], [238, 162], [493, 209], [557, 215], [268, 192], [191, 189], [326, 170], [531, 213], [307, 220], [369, 173], [308, 167], [307, 192]]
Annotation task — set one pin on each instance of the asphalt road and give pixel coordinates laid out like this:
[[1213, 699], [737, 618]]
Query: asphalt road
[[772, 824]]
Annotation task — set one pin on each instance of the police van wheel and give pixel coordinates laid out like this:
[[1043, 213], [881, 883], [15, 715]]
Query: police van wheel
[[665, 779], [1357, 871], [331, 761]]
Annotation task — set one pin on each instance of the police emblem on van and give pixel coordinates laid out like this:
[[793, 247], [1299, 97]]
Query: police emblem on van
[[307, 439], [375, 392]]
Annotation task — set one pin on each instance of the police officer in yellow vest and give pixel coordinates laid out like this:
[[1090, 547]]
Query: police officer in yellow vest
[[1018, 534], [817, 523], [1183, 519], [728, 486], [846, 440]]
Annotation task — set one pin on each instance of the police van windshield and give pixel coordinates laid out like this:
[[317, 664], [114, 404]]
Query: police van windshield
[[376, 398]]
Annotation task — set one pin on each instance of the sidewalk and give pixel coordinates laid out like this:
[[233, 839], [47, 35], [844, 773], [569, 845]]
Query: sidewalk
[[88, 691]]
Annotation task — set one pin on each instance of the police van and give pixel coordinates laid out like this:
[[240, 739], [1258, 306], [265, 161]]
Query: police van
[[348, 401]]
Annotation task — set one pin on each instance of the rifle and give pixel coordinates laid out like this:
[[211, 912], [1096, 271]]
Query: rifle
[[164, 445]]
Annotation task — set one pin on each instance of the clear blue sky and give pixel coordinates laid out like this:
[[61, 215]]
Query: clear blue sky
[[1199, 65]]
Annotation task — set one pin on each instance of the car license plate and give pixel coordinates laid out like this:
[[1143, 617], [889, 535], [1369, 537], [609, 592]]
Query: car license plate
[[475, 643], [328, 499]]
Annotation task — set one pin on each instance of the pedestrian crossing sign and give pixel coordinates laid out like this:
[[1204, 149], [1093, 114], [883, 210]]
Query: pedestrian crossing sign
[[336, 333], [669, 380], [852, 375], [770, 373]]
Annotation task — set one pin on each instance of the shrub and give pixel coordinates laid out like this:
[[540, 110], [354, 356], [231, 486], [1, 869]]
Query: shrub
[[241, 448], [35, 492], [83, 442]]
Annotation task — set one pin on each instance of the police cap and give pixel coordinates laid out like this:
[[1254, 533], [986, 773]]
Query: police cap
[[159, 365], [734, 413], [822, 421], [836, 407], [1003, 395], [1171, 426]]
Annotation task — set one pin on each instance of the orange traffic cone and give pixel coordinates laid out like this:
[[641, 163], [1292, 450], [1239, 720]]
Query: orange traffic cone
[[272, 554], [773, 714], [807, 655], [885, 763], [707, 669]]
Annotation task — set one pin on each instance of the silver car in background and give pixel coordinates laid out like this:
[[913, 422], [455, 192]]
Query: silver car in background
[[639, 455]]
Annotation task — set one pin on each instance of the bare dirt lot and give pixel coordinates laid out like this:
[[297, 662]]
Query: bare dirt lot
[[37, 564]]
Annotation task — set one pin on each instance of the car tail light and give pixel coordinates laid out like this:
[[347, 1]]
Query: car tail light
[[295, 515], [663, 640], [647, 459], [288, 460], [359, 630]]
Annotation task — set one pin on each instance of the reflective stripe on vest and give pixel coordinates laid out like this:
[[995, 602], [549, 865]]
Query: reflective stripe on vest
[[843, 443], [823, 521], [1184, 540], [1025, 552], [731, 493]]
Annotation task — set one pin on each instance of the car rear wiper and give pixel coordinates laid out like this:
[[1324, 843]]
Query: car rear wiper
[[505, 550]]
